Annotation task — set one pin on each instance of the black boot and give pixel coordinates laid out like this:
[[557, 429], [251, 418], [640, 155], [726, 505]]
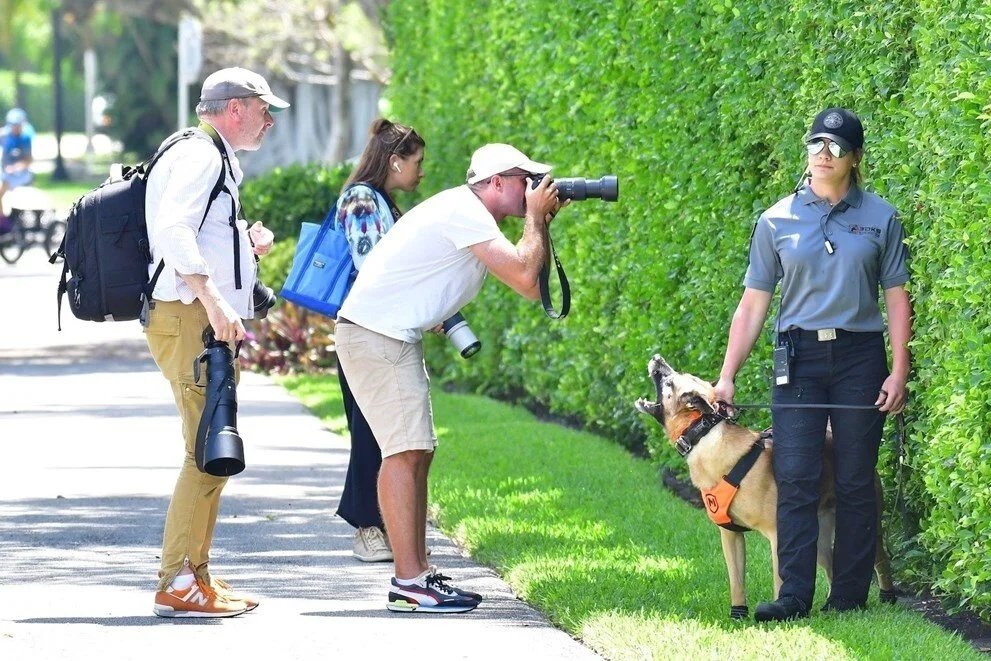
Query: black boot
[[841, 605], [785, 608]]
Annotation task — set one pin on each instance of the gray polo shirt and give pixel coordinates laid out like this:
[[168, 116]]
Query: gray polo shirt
[[822, 290]]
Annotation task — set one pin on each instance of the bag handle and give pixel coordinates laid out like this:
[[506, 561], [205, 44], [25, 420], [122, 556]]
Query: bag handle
[[325, 226]]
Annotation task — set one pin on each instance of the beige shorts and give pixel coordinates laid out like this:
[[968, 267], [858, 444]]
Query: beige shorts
[[389, 381]]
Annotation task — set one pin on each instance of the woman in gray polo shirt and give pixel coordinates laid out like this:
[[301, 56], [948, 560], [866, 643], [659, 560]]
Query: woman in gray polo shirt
[[832, 246]]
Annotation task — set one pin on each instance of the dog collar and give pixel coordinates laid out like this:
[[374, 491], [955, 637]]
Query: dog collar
[[699, 427]]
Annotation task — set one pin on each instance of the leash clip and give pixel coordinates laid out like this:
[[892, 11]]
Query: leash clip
[[727, 411], [683, 446]]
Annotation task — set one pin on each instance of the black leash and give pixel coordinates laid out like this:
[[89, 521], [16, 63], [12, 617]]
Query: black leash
[[862, 407]]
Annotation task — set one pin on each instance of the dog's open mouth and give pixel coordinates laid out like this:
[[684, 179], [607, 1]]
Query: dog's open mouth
[[659, 371]]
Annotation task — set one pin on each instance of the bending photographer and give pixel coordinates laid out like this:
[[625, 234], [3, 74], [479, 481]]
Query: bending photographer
[[208, 279], [424, 270]]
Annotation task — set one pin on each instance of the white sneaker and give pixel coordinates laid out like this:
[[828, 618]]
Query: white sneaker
[[370, 545]]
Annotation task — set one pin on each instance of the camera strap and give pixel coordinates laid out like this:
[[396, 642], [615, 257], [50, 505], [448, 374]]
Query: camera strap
[[544, 282]]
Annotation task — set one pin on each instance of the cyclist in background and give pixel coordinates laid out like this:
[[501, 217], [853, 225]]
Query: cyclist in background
[[15, 157]]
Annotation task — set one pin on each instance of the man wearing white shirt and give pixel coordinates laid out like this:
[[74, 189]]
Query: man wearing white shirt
[[206, 257], [424, 270]]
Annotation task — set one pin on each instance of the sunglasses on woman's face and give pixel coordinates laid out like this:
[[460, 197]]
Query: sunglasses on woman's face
[[816, 146]]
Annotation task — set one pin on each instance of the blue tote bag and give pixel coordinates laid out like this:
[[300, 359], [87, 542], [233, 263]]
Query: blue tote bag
[[322, 269]]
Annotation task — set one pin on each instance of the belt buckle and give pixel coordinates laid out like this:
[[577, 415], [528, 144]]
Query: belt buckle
[[826, 334]]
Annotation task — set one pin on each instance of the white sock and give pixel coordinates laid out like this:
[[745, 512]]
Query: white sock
[[411, 581], [183, 581]]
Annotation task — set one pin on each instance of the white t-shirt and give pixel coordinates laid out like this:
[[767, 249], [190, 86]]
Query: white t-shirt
[[423, 270]]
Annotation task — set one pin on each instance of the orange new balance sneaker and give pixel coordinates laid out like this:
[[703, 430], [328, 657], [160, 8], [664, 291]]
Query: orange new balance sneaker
[[198, 600], [224, 589]]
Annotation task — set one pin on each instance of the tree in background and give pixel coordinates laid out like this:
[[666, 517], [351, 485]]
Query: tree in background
[[10, 10], [23, 25], [135, 41], [319, 41]]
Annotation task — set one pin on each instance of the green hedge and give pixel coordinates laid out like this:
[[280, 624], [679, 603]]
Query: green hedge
[[283, 199], [286, 197], [700, 109]]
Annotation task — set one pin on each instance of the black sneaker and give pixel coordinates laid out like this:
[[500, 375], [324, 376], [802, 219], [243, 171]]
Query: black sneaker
[[467, 593], [785, 608], [430, 594]]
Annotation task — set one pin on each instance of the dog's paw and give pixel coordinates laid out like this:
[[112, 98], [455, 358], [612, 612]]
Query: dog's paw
[[888, 596], [739, 612]]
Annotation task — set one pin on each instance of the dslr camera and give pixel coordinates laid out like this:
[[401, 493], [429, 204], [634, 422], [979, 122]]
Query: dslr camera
[[262, 299], [461, 335], [578, 188], [219, 448]]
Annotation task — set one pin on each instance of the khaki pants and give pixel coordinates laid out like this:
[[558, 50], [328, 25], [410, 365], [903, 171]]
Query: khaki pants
[[174, 335]]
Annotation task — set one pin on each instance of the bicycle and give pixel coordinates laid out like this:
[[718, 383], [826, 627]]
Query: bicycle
[[32, 221]]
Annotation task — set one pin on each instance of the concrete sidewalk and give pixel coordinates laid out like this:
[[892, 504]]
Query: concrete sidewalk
[[90, 451]]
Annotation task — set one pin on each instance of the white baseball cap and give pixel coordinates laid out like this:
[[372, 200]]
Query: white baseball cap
[[497, 157], [238, 83]]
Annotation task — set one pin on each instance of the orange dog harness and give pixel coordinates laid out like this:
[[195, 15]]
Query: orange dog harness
[[718, 499]]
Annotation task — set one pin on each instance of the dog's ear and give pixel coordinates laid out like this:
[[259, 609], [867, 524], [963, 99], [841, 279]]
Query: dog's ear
[[697, 402]]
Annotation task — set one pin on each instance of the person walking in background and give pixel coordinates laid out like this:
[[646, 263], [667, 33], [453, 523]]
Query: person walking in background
[[422, 272], [207, 280], [392, 160], [832, 246]]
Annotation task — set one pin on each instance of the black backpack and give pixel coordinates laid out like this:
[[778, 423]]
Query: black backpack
[[106, 247]]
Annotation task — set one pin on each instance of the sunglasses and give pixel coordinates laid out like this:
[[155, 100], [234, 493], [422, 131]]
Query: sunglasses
[[816, 146], [513, 175], [395, 150]]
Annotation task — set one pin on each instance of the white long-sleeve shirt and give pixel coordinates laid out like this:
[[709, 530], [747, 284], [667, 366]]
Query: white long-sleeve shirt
[[177, 193]]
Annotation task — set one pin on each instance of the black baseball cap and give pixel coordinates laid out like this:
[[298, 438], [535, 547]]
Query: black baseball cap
[[839, 125]]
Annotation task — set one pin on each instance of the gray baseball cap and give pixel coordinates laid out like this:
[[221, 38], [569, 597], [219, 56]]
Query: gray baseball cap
[[238, 83]]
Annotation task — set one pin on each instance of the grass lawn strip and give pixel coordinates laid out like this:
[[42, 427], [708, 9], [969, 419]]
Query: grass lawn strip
[[585, 532]]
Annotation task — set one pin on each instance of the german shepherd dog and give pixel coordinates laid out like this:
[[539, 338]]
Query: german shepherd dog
[[682, 398]]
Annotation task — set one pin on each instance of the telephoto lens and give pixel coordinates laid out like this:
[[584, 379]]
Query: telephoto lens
[[219, 448], [262, 299], [457, 330], [605, 188], [578, 188]]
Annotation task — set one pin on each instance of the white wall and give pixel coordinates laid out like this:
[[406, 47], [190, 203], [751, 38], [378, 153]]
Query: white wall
[[301, 132]]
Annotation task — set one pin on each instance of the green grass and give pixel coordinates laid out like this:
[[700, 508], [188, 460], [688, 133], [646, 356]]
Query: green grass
[[64, 193], [586, 533]]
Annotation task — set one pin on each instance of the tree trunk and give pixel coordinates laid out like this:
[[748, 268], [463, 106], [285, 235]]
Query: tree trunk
[[339, 143], [19, 99]]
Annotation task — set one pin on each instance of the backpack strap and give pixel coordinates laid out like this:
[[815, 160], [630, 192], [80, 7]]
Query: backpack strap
[[221, 186], [225, 167]]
